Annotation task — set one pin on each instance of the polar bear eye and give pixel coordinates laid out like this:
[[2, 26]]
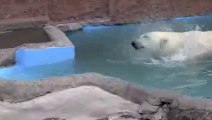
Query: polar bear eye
[[146, 36], [163, 42]]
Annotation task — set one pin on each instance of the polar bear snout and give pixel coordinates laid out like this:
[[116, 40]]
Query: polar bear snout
[[137, 45]]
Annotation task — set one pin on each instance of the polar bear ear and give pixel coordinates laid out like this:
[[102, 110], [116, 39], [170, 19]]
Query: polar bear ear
[[163, 42]]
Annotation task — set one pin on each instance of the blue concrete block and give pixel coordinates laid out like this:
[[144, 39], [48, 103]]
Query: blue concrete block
[[35, 57], [37, 72]]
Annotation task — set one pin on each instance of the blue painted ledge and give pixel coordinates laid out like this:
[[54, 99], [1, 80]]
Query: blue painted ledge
[[30, 61], [36, 57]]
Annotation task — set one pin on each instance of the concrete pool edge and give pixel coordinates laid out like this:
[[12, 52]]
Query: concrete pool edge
[[22, 53], [19, 91]]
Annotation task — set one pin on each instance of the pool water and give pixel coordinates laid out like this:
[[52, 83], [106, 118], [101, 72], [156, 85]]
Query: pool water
[[107, 50]]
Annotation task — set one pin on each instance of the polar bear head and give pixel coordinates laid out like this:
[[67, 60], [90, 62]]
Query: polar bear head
[[159, 43]]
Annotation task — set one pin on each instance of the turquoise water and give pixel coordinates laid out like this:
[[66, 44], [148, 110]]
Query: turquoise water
[[37, 72], [107, 50]]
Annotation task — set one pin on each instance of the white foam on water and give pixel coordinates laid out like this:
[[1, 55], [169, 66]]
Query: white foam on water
[[174, 60], [179, 56], [197, 84], [116, 61]]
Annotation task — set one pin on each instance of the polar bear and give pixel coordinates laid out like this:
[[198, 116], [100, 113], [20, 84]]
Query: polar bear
[[193, 43]]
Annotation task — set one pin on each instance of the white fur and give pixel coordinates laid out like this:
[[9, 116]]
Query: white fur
[[193, 43]]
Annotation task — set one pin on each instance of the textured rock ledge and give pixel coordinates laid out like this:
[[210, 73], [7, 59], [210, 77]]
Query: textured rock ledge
[[81, 103], [154, 103]]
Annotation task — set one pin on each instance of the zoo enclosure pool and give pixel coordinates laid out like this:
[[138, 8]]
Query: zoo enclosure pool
[[107, 50]]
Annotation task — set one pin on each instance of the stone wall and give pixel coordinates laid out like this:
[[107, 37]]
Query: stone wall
[[117, 11], [77, 10], [15, 9], [135, 10]]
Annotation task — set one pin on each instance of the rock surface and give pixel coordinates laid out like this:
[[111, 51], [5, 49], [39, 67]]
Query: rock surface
[[116, 11], [81, 103], [136, 10], [146, 108], [177, 114], [70, 26], [19, 91], [170, 106], [122, 116]]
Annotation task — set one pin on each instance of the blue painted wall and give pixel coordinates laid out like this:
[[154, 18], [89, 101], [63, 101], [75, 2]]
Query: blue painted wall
[[32, 64], [35, 57]]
